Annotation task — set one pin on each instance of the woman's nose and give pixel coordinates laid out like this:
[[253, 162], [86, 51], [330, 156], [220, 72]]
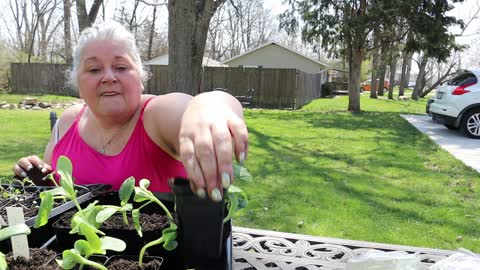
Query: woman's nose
[[109, 76]]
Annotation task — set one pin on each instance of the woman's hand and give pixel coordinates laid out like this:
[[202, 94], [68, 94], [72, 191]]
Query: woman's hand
[[212, 127], [33, 167]]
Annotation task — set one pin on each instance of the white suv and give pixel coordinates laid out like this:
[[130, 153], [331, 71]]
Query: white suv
[[457, 103]]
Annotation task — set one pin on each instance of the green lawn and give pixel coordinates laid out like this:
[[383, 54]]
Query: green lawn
[[15, 99], [324, 171]]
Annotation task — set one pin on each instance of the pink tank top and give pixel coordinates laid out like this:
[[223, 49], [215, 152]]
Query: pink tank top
[[140, 158]]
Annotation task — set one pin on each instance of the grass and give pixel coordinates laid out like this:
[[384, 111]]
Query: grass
[[15, 99], [323, 171]]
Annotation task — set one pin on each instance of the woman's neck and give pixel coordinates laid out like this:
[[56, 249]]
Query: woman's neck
[[114, 122]]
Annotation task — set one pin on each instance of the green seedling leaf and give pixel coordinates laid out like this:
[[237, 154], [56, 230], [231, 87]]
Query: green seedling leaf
[[144, 183], [126, 208], [71, 258], [126, 190], [64, 168], [106, 213], [136, 221], [46, 206], [93, 240], [3, 262], [241, 173], [112, 243], [13, 230], [237, 200], [83, 248]]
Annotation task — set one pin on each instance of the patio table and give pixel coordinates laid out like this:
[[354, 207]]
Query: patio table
[[262, 249]]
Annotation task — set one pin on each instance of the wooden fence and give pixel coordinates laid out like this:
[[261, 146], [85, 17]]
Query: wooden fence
[[42, 78], [274, 88]]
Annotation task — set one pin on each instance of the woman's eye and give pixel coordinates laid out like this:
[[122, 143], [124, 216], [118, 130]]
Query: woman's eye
[[121, 68], [94, 70]]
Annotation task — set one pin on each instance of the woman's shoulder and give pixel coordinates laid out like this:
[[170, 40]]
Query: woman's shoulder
[[165, 102], [68, 117]]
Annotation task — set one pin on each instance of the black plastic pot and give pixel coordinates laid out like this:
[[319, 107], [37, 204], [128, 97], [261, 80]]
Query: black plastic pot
[[204, 237]]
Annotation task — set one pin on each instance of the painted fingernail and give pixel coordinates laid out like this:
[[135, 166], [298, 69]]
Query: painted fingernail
[[39, 166], [201, 193], [44, 170], [23, 174], [29, 167], [216, 195], [242, 158], [225, 180]]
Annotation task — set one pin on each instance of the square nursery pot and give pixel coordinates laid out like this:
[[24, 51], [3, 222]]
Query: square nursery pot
[[30, 202], [153, 221], [126, 262], [206, 242], [40, 259]]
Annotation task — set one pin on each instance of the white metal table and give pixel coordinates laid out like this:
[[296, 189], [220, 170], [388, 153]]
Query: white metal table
[[267, 250]]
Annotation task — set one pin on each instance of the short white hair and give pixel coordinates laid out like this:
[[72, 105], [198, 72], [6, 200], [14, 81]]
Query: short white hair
[[112, 31]]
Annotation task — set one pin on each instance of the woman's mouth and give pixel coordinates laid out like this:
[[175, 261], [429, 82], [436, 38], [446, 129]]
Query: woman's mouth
[[109, 94]]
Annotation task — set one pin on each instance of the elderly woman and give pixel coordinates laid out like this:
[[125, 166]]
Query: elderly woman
[[119, 132]]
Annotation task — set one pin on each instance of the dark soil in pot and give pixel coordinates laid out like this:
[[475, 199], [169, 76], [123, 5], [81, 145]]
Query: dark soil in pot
[[40, 259], [152, 226], [130, 262]]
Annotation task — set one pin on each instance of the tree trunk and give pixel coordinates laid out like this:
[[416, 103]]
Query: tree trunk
[[420, 78], [152, 31], [355, 68], [381, 73], [393, 70], [187, 34], [438, 82], [409, 69], [87, 19], [401, 84], [373, 85], [67, 36]]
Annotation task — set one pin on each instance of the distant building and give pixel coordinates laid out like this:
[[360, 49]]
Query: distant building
[[274, 55], [162, 60]]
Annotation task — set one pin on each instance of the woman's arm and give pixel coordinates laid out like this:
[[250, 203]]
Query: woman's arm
[[201, 131]]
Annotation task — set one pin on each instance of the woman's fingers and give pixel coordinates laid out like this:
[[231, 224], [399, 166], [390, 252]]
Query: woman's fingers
[[222, 141], [19, 171], [31, 166], [239, 133], [194, 171], [205, 154]]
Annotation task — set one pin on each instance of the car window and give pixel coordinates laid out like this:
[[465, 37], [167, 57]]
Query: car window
[[462, 79]]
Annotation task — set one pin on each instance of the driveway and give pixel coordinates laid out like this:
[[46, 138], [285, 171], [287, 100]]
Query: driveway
[[465, 149]]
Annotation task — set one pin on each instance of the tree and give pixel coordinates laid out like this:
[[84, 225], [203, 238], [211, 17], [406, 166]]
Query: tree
[[86, 19], [187, 34], [67, 36], [348, 24], [342, 28]]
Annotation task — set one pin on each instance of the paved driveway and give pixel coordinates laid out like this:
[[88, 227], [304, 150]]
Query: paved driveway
[[465, 149]]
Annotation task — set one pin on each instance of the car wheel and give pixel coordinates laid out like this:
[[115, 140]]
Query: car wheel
[[450, 126], [471, 123], [385, 89]]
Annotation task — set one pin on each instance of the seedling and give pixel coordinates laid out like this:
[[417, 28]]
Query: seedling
[[236, 198], [142, 194], [6, 233], [84, 222]]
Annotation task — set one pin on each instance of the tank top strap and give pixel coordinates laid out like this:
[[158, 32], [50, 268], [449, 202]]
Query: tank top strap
[[79, 115], [143, 108]]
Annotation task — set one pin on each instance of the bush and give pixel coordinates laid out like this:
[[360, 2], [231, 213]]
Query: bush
[[327, 89]]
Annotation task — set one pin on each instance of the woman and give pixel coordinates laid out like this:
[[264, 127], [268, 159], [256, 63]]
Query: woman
[[119, 132]]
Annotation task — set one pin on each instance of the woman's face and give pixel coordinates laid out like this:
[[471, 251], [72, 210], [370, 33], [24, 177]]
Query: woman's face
[[108, 79]]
